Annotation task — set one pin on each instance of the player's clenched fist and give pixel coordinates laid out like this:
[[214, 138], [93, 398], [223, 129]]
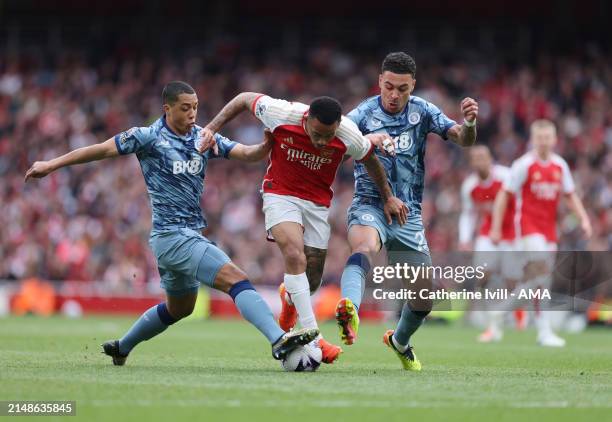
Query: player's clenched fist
[[39, 169], [469, 108]]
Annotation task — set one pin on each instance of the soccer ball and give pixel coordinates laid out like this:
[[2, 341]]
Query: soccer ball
[[303, 359]]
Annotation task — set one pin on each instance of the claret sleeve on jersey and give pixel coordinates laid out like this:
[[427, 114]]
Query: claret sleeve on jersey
[[438, 122], [273, 112], [134, 140], [224, 144], [357, 146]]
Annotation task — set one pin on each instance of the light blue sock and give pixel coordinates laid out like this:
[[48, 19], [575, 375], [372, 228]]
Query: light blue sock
[[409, 322], [151, 323], [353, 278], [255, 310]]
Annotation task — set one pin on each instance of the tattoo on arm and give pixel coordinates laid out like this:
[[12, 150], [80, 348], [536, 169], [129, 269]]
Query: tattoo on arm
[[462, 135], [315, 262], [237, 105], [377, 173]]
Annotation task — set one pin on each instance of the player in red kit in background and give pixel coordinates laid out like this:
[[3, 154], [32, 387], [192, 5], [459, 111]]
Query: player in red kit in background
[[478, 193], [538, 179]]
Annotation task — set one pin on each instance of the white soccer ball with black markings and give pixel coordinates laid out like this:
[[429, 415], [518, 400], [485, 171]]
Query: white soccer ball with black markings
[[303, 359]]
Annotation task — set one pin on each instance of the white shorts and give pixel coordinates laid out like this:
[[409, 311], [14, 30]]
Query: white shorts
[[536, 247], [499, 258], [536, 243], [281, 208]]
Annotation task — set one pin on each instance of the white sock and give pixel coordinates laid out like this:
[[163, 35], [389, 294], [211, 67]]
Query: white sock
[[298, 288], [402, 348], [495, 321]]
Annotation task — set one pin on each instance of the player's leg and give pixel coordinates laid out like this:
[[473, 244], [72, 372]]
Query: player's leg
[[155, 320], [407, 244], [487, 255], [366, 229], [282, 209], [315, 263], [540, 257], [173, 251], [233, 281], [290, 240], [316, 239]]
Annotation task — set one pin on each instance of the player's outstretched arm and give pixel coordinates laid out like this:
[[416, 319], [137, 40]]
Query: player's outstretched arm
[[393, 207], [499, 208], [575, 204], [106, 149], [241, 102], [465, 134], [252, 153]]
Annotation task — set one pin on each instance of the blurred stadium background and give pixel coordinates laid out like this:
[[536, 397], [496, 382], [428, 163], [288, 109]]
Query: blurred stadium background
[[75, 73]]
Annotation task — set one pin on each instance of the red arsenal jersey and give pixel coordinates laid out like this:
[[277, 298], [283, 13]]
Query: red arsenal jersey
[[296, 167], [537, 185], [477, 198]]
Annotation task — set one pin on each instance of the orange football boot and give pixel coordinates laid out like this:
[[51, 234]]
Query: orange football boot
[[288, 316], [330, 352]]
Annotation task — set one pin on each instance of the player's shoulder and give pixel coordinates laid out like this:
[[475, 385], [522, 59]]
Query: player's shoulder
[[524, 161], [348, 131], [278, 110], [370, 103], [469, 183], [266, 101], [558, 160], [151, 132], [500, 171], [417, 103]]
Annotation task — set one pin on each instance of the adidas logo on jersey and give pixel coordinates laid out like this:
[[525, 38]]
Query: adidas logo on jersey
[[190, 166]]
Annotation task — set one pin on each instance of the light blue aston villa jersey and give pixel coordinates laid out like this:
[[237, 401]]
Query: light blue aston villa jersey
[[173, 170], [406, 171]]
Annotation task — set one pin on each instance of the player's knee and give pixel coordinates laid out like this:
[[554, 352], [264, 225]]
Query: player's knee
[[295, 259], [181, 310], [420, 307], [360, 259], [365, 248], [422, 313], [227, 276]]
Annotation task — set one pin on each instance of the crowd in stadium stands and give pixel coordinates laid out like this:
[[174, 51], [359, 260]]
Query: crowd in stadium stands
[[91, 222]]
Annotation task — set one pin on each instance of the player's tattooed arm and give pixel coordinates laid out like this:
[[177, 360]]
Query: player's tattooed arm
[[252, 153], [393, 207], [315, 261], [241, 102], [106, 149], [465, 134]]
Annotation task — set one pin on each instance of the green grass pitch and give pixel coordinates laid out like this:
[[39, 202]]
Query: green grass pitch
[[222, 370]]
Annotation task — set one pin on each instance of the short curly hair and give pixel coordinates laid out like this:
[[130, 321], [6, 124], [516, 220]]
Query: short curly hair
[[399, 62]]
